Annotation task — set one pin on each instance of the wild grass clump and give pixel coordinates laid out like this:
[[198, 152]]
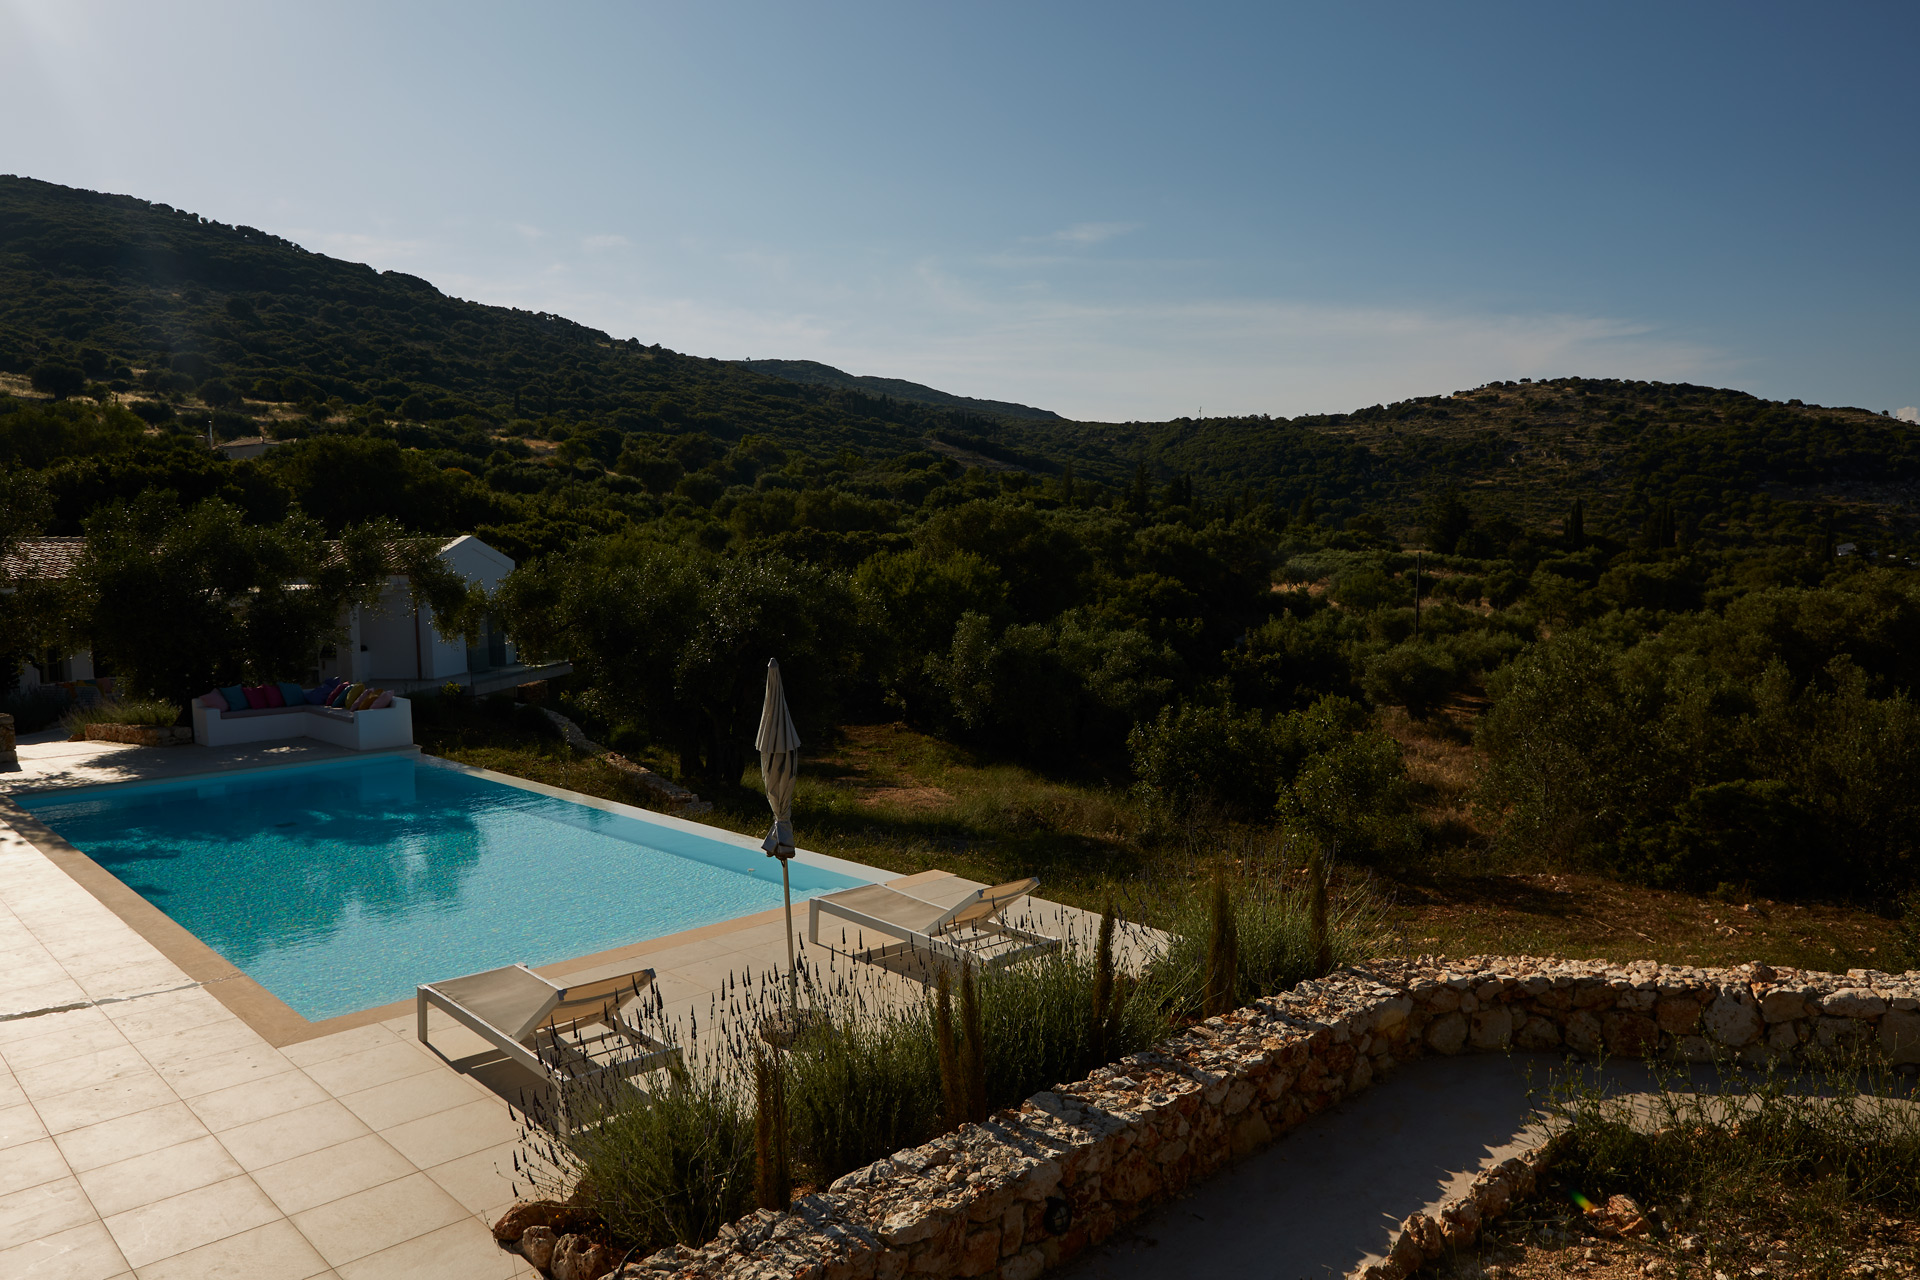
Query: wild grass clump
[[862, 1085], [1822, 1160], [1258, 932], [136, 711]]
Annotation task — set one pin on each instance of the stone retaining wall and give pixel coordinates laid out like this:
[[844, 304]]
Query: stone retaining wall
[[1032, 1188]]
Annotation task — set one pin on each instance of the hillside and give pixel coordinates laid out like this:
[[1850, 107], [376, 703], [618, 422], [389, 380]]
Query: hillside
[[200, 325], [816, 374]]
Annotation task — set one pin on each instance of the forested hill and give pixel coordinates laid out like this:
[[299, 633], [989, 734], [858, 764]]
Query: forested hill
[[195, 325], [825, 375]]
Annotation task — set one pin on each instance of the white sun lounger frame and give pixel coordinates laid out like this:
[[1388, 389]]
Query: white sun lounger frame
[[940, 941]]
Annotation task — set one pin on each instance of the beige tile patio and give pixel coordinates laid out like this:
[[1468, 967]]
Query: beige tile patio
[[447, 1135], [190, 1219], [367, 1068], [461, 1251], [339, 1045], [179, 1048], [482, 1181], [282, 1137], [11, 1094], [167, 1125], [169, 1013], [276, 1251], [321, 1177], [67, 1040], [46, 1024], [426, 1094], [49, 1207], [45, 995], [367, 1222], [80, 1071], [128, 1184], [20, 1124], [100, 1102], [85, 1252], [29, 1164], [224, 1070], [240, 1104]]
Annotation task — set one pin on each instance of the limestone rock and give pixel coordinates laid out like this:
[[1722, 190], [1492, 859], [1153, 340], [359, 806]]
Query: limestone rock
[[1448, 1033], [1677, 1017], [1900, 1037], [1618, 1218], [1583, 1033], [1492, 1028], [536, 1246], [1630, 1035], [1781, 1005], [575, 1257], [1537, 1034], [1733, 1022], [563, 1218], [1854, 1002]]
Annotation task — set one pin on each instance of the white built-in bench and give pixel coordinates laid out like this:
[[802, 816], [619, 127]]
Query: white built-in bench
[[390, 726]]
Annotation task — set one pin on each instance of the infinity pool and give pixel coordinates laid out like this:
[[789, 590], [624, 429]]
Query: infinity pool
[[341, 886]]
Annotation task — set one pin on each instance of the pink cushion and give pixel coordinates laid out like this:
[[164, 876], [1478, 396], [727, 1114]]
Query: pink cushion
[[215, 701], [384, 700], [274, 697], [256, 696]]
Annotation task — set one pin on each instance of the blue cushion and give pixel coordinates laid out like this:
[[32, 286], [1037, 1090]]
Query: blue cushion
[[293, 693], [236, 697], [324, 691]]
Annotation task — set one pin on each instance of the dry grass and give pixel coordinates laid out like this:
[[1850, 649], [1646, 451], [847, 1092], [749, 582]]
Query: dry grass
[[890, 797]]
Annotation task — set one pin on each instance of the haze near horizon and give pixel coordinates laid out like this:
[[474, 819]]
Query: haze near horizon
[[1112, 213]]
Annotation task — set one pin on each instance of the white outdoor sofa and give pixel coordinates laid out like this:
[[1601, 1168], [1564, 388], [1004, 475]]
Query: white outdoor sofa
[[390, 726]]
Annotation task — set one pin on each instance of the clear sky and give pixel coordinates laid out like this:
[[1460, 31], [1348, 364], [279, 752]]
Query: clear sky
[[1114, 211]]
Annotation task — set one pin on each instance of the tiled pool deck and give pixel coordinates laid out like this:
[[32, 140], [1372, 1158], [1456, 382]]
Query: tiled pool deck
[[148, 1129]]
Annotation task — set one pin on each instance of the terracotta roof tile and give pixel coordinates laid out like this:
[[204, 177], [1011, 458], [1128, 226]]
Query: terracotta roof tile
[[42, 558]]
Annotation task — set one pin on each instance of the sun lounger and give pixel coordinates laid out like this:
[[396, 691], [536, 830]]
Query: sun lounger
[[569, 1035], [970, 931]]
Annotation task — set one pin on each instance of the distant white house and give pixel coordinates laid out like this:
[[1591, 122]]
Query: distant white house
[[391, 644]]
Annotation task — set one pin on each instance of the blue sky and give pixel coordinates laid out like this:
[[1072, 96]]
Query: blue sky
[[1115, 211]]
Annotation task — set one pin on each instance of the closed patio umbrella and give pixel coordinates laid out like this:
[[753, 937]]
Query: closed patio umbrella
[[779, 744]]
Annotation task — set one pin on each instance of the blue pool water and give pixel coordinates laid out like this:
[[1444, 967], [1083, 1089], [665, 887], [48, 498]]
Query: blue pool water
[[344, 885]]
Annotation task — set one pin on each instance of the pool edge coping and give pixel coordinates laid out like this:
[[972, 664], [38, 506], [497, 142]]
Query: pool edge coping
[[277, 1022]]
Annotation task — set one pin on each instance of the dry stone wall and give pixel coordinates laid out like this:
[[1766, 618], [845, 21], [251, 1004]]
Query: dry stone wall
[[1035, 1186]]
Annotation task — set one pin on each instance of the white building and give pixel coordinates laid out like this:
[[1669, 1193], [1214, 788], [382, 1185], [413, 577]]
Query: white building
[[391, 645]]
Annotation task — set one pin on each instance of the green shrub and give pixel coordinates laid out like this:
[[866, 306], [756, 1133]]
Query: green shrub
[[671, 1166], [862, 1086], [135, 711], [34, 709]]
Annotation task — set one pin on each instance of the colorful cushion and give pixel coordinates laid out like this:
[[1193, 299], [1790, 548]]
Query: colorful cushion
[[349, 695], [291, 695], [367, 699], [383, 701], [324, 692], [236, 697], [271, 692], [215, 701], [256, 696]]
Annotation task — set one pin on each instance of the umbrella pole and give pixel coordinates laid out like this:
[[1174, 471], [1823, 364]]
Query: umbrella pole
[[793, 979]]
